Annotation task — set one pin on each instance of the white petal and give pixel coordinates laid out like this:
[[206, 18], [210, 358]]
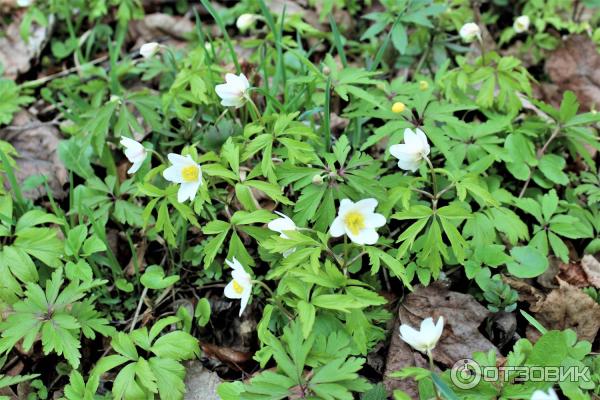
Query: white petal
[[230, 292], [245, 298], [179, 160], [129, 143], [366, 206], [411, 139], [135, 167], [234, 264], [187, 190], [374, 220], [337, 227], [173, 174], [240, 275], [345, 205], [282, 224], [365, 236], [412, 337], [409, 164]]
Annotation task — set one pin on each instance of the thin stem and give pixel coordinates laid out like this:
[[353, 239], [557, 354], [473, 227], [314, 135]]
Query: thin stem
[[539, 155], [253, 109], [433, 183], [432, 369], [157, 154], [278, 302]]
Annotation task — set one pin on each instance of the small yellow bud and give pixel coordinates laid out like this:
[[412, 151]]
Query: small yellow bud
[[317, 179], [398, 107], [423, 85]]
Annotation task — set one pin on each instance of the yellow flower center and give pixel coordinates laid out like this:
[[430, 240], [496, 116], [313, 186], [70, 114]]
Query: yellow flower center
[[354, 221], [190, 173], [237, 287], [398, 107]]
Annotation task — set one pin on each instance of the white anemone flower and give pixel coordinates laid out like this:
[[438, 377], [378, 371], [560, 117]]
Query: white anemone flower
[[24, 3], [424, 339], [521, 24], [135, 152], [358, 221], [186, 172], [281, 225], [413, 151], [240, 286], [469, 32], [148, 50], [246, 21], [233, 91], [541, 395]]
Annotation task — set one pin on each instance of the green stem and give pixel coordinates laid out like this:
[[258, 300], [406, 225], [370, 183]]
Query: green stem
[[278, 302], [253, 109], [433, 183]]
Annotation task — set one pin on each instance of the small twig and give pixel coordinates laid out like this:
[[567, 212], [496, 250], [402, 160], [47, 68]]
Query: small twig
[[138, 309]]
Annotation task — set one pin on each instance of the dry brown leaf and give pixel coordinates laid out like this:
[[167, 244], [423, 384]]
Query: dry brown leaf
[[15, 54], [576, 66], [401, 355], [591, 266], [461, 337], [36, 144], [569, 307], [226, 354], [200, 383], [573, 274]]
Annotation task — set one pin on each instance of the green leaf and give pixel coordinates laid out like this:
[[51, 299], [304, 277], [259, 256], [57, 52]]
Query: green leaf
[[202, 312], [529, 262], [154, 278], [552, 167]]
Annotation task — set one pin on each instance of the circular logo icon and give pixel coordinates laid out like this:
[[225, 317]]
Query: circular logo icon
[[465, 374]]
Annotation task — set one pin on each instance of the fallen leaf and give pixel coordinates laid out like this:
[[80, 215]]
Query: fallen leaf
[[573, 274], [591, 266], [569, 307], [226, 354], [16, 55], [576, 66], [460, 339], [401, 355], [200, 383], [36, 144]]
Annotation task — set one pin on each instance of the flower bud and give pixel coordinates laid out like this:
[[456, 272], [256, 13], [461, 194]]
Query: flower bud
[[521, 24], [246, 21], [148, 50], [423, 86], [326, 71], [317, 180], [469, 32], [398, 107]]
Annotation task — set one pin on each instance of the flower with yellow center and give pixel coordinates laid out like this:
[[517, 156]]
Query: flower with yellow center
[[187, 173], [240, 286], [398, 107], [521, 24], [358, 220]]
